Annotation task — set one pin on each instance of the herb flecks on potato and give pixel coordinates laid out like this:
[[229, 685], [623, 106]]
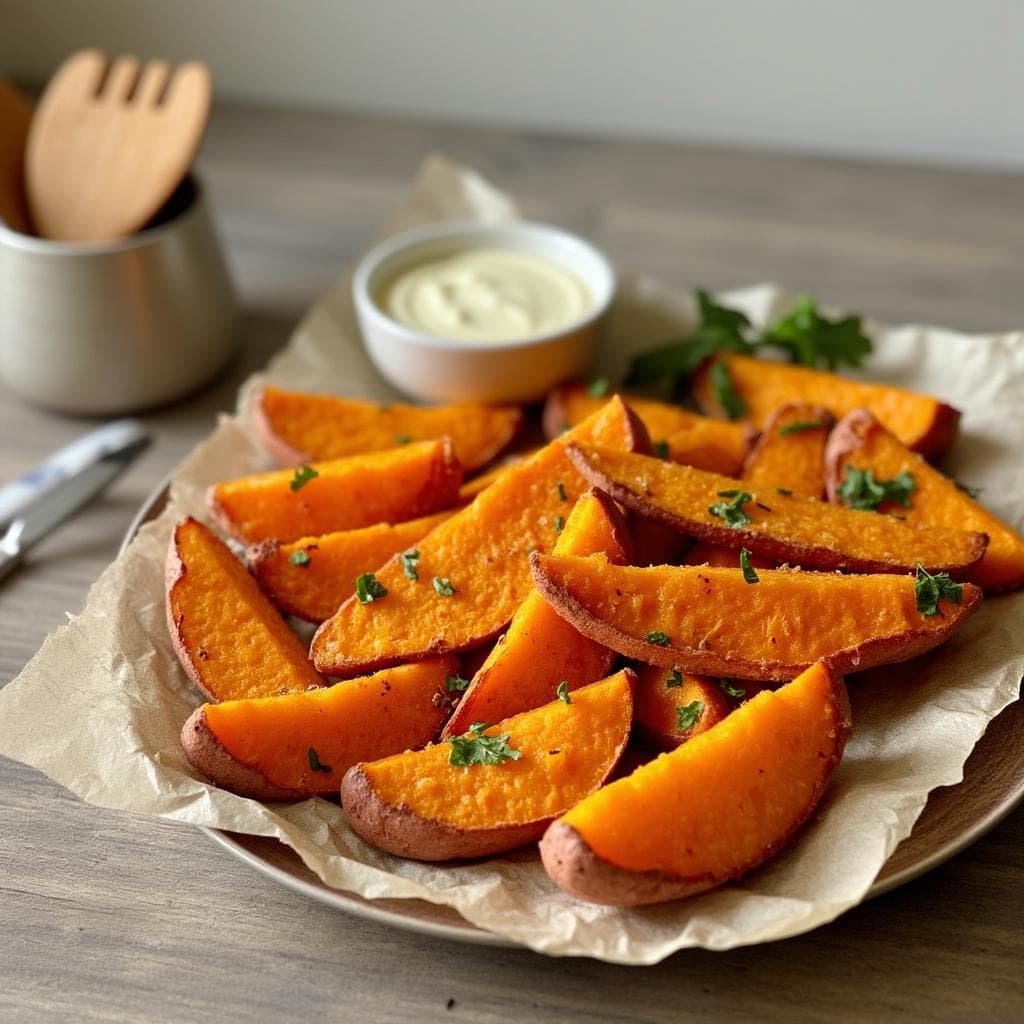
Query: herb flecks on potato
[[790, 453], [672, 706]]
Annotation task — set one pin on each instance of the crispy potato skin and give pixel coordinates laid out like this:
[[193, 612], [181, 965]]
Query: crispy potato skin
[[845, 439], [282, 452], [399, 831], [206, 752]]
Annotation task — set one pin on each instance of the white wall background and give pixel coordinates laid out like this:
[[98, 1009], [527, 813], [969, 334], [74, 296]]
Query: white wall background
[[925, 80]]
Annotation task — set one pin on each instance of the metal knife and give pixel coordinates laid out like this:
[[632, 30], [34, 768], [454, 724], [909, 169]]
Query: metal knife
[[63, 500]]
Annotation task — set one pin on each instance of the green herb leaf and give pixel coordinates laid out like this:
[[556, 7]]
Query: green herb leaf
[[689, 715], [784, 490], [443, 587], [369, 588], [659, 638], [725, 395], [475, 748], [811, 339], [726, 686], [661, 449], [455, 684], [316, 765], [559, 525], [599, 387], [299, 558], [409, 560], [562, 496], [798, 427], [861, 490], [302, 477], [749, 575], [732, 511], [673, 679], [401, 439], [562, 692], [929, 590]]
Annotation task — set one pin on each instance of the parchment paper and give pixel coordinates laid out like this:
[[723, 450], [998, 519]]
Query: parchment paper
[[100, 707]]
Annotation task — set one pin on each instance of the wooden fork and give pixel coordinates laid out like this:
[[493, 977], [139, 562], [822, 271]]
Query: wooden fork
[[110, 142]]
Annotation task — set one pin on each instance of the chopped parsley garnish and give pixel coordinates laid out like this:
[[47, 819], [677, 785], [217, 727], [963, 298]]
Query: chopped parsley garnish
[[798, 427], [749, 575], [726, 686], [861, 490], [659, 638], [784, 491], [316, 765], [599, 387], [689, 715], [661, 449], [929, 590], [455, 684], [560, 487], [302, 477], [409, 560], [401, 439], [562, 692], [732, 511], [559, 525], [443, 587], [811, 339], [299, 558], [725, 394], [673, 679], [475, 748], [369, 588]]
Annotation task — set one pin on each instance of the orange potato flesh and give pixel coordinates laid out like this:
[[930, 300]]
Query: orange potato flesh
[[657, 719], [229, 638], [694, 440], [382, 487], [361, 719], [920, 421], [790, 529], [717, 624], [706, 553], [482, 551], [298, 427], [724, 802], [316, 589], [862, 442], [567, 751], [791, 459], [541, 649]]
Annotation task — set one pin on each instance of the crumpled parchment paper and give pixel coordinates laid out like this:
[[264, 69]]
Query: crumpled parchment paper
[[100, 707]]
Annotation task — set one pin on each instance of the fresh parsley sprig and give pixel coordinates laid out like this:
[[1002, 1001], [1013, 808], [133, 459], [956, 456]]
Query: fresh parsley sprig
[[929, 590], [860, 489], [689, 715], [732, 512], [476, 748]]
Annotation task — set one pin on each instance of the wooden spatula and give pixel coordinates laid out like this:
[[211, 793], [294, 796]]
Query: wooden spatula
[[15, 115], [110, 142]]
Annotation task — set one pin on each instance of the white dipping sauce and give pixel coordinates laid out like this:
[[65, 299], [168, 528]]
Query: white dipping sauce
[[486, 294]]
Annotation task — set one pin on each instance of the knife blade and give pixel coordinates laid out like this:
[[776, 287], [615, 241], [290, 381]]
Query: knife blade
[[64, 500]]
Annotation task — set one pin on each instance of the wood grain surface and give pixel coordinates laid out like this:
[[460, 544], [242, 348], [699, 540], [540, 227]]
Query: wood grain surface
[[112, 917]]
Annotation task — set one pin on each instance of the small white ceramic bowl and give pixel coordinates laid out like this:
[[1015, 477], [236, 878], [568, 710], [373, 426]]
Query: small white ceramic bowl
[[436, 369]]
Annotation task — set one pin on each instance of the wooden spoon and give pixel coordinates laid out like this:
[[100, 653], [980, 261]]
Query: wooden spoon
[[15, 115], [110, 142]]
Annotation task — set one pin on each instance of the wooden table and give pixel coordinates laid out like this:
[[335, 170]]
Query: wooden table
[[108, 916]]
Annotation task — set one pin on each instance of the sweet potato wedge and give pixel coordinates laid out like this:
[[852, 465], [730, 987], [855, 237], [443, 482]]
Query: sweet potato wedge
[[790, 453], [861, 442], [389, 486], [540, 649], [422, 806], [472, 573], [301, 744], [712, 809], [300, 428], [921, 422], [673, 707], [711, 622], [712, 444], [229, 638], [311, 577], [782, 527]]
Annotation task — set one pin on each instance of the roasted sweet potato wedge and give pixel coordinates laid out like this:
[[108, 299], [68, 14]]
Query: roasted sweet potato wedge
[[712, 809], [673, 707], [311, 577], [540, 649], [299, 428], [860, 442], [711, 622], [389, 486], [472, 572], [790, 453], [712, 444], [229, 638], [301, 744], [921, 422], [777, 526], [422, 805]]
